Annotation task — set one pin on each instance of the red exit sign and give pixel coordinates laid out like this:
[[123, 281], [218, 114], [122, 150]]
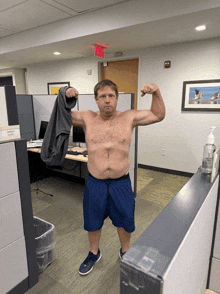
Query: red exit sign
[[99, 51]]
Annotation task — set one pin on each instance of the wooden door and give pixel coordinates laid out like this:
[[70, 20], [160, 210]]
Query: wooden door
[[124, 74]]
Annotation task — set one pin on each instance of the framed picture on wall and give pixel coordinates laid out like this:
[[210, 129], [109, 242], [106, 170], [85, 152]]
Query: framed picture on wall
[[53, 88], [201, 95]]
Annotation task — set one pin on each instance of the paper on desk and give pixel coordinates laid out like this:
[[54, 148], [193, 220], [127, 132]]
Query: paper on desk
[[78, 149], [32, 144]]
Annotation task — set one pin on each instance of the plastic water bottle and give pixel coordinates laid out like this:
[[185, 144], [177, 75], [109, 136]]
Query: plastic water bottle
[[209, 149]]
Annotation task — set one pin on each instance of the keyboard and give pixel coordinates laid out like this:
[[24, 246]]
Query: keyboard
[[84, 153]]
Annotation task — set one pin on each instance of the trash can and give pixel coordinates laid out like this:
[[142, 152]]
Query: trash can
[[45, 243]]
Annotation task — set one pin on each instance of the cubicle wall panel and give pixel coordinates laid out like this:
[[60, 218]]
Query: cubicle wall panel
[[11, 105], [24, 104], [26, 123], [8, 169], [132, 156], [132, 151], [26, 207], [125, 102], [13, 265], [214, 283], [133, 138], [11, 222], [27, 126], [131, 174], [216, 252], [87, 102], [43, 106], [28, 136], [133, 161], [26, 116], [188, 270], [132, 164]]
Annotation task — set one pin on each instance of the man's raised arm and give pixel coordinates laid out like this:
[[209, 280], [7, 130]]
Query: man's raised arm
[[77, 116], [157, 110]]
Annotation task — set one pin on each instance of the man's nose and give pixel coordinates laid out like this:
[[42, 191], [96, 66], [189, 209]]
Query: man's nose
[[107, 100]]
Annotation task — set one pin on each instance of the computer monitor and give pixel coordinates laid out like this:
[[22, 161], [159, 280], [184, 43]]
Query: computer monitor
[[78, 135], [43, 127]]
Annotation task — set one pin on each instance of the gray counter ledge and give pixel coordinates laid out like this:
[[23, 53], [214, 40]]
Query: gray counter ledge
[[168, 256]]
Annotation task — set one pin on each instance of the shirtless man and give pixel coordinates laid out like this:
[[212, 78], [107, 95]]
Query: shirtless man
[[108, 190]]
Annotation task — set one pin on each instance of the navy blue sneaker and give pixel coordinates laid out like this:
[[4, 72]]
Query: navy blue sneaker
[[89, 262], [121, 254]]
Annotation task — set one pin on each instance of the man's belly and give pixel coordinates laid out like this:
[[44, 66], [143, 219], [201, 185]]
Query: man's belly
[[110, 164]]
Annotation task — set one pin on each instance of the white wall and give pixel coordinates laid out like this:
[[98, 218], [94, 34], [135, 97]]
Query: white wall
[[73, 71], [181, 134], [19, 80], [18, 77]]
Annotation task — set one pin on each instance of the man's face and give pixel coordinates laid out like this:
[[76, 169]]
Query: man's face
[[107, 100]]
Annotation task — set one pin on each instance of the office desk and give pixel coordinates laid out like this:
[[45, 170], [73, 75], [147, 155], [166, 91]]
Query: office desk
[[74, 165]]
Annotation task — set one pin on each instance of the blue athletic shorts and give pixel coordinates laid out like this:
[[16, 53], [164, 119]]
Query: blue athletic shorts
[[111, 197]]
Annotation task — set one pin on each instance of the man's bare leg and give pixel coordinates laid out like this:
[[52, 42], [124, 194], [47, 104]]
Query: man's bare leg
[[94, 238], [125, 238]]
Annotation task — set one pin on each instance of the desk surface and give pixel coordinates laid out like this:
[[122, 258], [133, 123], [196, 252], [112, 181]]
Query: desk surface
[[68, 156]]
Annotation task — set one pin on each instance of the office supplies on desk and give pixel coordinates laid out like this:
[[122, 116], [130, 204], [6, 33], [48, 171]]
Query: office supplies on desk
[[34, 143], [74, 152]]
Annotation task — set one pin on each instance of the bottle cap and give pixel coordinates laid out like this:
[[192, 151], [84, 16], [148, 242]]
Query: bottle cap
[[211, 137]]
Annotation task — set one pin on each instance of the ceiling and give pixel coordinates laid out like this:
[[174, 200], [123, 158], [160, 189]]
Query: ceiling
[[18, 16]]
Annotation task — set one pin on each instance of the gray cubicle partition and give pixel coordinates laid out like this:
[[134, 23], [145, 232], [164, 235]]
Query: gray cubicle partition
[[173, 254], [43, 106], [214, 273], [26, 117], [18, 263]]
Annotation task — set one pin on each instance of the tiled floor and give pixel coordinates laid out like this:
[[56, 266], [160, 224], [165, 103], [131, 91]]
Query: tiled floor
[[71, 240]]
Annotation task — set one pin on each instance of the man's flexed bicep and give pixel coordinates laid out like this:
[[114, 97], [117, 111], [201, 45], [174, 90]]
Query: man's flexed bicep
[[157, 111]]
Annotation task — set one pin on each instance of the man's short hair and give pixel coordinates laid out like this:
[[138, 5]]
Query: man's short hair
[[104, 83]]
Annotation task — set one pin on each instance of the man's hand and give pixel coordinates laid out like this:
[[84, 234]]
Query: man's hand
[[148, 89], [72, 92]]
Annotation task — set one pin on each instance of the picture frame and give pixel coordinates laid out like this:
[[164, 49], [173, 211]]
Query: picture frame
[[202, 95], [53, 88]]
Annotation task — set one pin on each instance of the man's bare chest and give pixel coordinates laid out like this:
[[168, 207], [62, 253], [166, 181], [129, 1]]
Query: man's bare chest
[[116, 132]]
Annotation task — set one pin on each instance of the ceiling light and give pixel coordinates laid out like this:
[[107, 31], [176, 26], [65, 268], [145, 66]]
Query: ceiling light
[[56, 53], [201, 28]]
